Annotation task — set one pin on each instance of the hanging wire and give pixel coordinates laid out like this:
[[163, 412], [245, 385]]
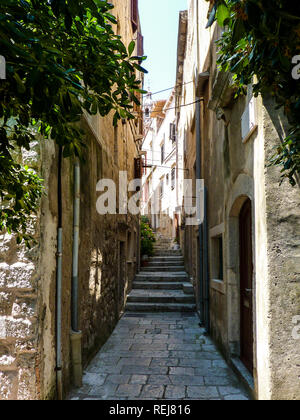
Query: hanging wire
[[165, 90], [176, 107]]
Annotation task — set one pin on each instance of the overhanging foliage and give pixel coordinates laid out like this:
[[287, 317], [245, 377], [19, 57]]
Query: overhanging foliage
[[62, 58], [261, 38]]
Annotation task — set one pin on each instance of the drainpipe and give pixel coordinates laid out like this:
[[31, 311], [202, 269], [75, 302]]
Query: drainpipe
[[59, 280], [199, 175], [76, 335], [206, 265]]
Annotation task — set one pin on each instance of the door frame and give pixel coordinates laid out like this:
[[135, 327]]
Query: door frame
[[242, 190], [244, 353]]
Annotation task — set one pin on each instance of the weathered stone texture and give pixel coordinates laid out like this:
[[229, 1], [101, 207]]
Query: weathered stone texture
[[28, 277], [8, 385]]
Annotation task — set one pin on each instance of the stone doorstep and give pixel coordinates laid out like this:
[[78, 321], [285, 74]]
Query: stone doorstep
[[244, 375]]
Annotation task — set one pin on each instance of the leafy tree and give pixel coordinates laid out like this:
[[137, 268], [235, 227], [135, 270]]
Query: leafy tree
[[62, 58], [261, 38], [147, 238]]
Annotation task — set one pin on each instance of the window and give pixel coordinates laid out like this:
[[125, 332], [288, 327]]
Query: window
[[173, 132], [248, 120], [140, 45], [173, 178], [162, 153], [144, 171], [138, 168], [218, 261], [161, 188], [134, 14]]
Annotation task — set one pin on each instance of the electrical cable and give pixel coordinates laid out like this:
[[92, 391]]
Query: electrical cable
[[165, 90], [176, 107]]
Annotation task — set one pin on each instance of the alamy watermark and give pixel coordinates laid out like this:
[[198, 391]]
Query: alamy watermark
[[2, 68], [130, 194], [296, 69]]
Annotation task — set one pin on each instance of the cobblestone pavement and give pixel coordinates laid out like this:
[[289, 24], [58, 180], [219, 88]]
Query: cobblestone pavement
[[159, 356]]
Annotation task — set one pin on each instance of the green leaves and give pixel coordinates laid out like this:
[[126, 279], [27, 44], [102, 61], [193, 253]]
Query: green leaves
[[261, 40], [131, 48], [223, 14], [62, 57]]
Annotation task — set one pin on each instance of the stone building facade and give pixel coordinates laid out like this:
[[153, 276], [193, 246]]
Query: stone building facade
[[162, 180], [244, 258], [108, 257]]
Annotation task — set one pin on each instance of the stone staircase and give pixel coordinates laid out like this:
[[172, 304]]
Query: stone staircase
[[163, 285]]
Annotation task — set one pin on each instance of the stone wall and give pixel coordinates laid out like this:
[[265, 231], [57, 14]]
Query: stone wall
[[237, 169], [19, 283], [108, 258]]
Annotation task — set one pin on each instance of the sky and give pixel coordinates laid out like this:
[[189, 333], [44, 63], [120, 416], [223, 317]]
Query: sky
[[159, 21]]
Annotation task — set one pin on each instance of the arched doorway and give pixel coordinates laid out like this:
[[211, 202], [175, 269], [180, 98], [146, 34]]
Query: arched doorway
[[246, 285]]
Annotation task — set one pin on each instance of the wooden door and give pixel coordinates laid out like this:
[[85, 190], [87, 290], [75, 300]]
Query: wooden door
[[246, 285]]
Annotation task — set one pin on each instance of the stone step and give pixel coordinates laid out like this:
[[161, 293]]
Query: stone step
[[169, 260], [188, 288], [168, 269], [160, 307], [167, 253], [162, 277], [159, 296], [157, 285], [166, 263]]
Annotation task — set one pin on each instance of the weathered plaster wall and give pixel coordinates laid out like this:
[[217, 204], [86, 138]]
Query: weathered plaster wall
[[279, 296]]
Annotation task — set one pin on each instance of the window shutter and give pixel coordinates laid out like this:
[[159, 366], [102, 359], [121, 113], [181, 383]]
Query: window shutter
[[173, 176], [172, 132], [138, 168], [140, 45], [134, 14]]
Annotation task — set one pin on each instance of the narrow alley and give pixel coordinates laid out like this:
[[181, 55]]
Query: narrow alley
[[149, 201], [158, 350]]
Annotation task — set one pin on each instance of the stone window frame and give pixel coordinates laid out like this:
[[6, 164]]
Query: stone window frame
[[215, 234], [250, 111]]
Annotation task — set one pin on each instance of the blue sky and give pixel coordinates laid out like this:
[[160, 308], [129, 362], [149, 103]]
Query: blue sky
[[159, 21]]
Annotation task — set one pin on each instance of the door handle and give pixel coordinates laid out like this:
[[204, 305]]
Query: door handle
[[248, 290]]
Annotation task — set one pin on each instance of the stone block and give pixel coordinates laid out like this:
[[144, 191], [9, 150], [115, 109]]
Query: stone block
[[2, 327], [159, 380], [19, 328], [182, 371], [24, 308], [175, 392], [21, 276], [27, 385], [94, 379], [186, 380], [219, 380], [128, 390], [102, 391], [144, 370], [4, 268], [202, 392], [8, 385], [6, 303], [139, 379], [117, 379], [153, 391]]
